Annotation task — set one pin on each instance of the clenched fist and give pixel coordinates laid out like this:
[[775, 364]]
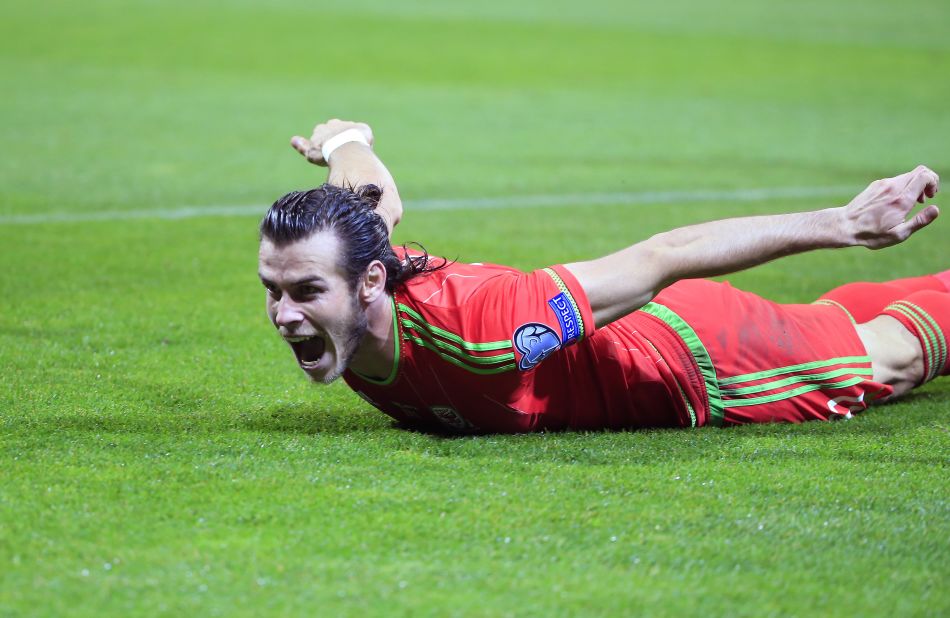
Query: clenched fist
[[312, 148]]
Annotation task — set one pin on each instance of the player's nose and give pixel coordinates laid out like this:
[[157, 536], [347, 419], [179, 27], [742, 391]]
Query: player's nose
[[288, 313]]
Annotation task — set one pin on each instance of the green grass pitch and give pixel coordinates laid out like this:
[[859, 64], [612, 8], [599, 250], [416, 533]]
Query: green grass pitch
[[161, 454]]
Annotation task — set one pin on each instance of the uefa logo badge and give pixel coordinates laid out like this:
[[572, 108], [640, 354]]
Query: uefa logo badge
[[535, 342]]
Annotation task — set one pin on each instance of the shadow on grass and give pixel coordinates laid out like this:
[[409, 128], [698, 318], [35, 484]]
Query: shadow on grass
[[304, 420], [885, 420], [886, 434], [312, 420]]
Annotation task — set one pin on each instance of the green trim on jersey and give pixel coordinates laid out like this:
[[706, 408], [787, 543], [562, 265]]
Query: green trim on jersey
[[689, 406], [435, 330], [698, 350], [396, 353], [926, 336], [801, 390], [459, 363], [479, 360], [563, 287], [768, 373], [941, 349], [807, 377], [934, 343], [833, 303], [431, 338]]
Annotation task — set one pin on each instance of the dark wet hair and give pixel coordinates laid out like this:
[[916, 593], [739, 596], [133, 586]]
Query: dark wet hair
[[351, 214]]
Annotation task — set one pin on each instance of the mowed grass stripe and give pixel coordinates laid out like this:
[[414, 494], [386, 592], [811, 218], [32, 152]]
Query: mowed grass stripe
[[462, 203]]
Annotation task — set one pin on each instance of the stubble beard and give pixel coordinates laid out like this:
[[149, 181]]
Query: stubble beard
[[353, 332]]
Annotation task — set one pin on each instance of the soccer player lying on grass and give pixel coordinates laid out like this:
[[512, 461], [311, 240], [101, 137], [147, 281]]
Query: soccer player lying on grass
[[633, 339]]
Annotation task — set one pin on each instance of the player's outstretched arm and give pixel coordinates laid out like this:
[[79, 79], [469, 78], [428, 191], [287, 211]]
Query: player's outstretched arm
[[352, 164], [878, 217]]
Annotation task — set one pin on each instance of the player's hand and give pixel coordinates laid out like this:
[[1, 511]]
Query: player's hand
[[311, 148], [878, 216]]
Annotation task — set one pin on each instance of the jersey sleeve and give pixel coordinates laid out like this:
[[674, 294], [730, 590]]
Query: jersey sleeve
[[540, 312]]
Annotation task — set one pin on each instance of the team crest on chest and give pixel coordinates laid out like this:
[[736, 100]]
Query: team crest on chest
[[450, 418]]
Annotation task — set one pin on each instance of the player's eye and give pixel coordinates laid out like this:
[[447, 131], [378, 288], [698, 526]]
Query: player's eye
[[308, 290], [272, 291]]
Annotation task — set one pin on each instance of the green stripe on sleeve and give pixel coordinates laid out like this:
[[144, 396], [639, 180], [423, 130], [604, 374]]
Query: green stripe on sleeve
[[457, 362], [478, 360], [435, 330], [698, 350]]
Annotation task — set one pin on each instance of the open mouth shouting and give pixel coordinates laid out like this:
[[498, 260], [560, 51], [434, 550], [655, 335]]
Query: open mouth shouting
[[308, 350]]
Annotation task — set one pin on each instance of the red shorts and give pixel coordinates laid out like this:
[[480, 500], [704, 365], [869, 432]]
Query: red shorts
[[769, 362]]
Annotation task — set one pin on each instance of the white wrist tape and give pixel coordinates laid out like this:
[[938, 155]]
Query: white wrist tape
[[350, 135]]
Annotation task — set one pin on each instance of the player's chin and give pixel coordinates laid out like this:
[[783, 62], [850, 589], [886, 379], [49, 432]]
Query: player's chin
[[325, 371], [324, 377]]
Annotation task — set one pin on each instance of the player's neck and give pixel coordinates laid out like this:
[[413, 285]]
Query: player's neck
[[374, 357]]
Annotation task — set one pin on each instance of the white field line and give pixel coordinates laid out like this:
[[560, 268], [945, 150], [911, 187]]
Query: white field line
[[462, 203]]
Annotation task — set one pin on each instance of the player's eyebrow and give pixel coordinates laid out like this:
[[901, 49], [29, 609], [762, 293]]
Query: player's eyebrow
[[306, 280], [293, 284]]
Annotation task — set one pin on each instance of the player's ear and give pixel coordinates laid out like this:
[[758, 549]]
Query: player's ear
[[373, 282]]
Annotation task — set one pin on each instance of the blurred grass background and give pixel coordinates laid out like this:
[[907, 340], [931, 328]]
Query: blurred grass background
[[158, 103], [161, 454]]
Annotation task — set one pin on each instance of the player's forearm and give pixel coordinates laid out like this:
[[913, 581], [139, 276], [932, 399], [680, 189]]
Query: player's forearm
[[625, 281], [355, 164], [730, 245], [879, 216]]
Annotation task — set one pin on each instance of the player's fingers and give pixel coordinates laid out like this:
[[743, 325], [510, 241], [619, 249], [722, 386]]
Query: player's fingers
[[929, 191], [921, 181], [300, 144], [921, 220], [932, 189], [307, 149]]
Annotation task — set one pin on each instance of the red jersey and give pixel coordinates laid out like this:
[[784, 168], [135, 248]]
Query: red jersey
[[487, 348]]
